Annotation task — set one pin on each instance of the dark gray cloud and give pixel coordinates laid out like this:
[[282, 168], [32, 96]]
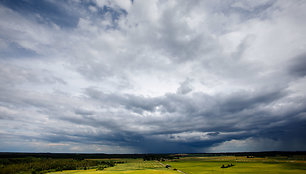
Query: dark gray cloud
[[152, 76], [297, 65]]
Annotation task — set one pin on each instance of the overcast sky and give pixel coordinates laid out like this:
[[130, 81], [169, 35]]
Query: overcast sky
[[152, 76]]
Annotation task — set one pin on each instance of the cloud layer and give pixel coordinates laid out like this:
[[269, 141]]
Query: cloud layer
[[152, 76]]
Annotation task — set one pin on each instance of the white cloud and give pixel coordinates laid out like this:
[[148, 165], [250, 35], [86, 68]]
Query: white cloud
[[250, 144], [188, 72]]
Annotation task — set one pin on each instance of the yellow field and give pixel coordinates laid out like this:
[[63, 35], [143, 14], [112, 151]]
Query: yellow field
[[135, 166], [202, 165], [209, 165]]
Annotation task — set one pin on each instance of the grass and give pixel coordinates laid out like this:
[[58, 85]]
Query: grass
[[203, 165], [132, 166], [197, 165]]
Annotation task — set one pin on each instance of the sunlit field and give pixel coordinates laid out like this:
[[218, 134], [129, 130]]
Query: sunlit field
[[197, 165], [137, 166], [202, 165]]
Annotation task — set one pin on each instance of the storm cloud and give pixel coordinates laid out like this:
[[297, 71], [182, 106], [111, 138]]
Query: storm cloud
[[152, 76]]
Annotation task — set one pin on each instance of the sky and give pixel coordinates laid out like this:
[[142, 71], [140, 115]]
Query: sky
[[152, 76]]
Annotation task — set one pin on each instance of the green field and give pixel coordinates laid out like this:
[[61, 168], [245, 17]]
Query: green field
[[137, 166], [202, 165], [197, 165]]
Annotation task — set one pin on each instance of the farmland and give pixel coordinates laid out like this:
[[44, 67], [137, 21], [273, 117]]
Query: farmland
[[202, 165], [197, 165], [143, 164], [132, 166]]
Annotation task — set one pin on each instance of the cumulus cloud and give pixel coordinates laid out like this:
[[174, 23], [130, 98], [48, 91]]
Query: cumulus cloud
[[152, 76]]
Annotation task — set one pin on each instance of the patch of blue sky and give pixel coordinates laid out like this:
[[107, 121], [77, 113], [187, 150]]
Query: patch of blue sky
[[14, 50], [106, 12], [44, 11]]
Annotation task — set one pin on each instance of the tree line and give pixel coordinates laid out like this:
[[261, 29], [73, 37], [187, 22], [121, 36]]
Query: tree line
[[44, 165]]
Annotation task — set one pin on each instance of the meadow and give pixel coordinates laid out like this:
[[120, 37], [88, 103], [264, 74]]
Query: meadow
[[209, 165], [131, 166], [205, 165], [156, 164]]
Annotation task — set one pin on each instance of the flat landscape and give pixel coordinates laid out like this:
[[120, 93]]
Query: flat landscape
[[137, 166], [203, 165], [209, 163], [197, 165]]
